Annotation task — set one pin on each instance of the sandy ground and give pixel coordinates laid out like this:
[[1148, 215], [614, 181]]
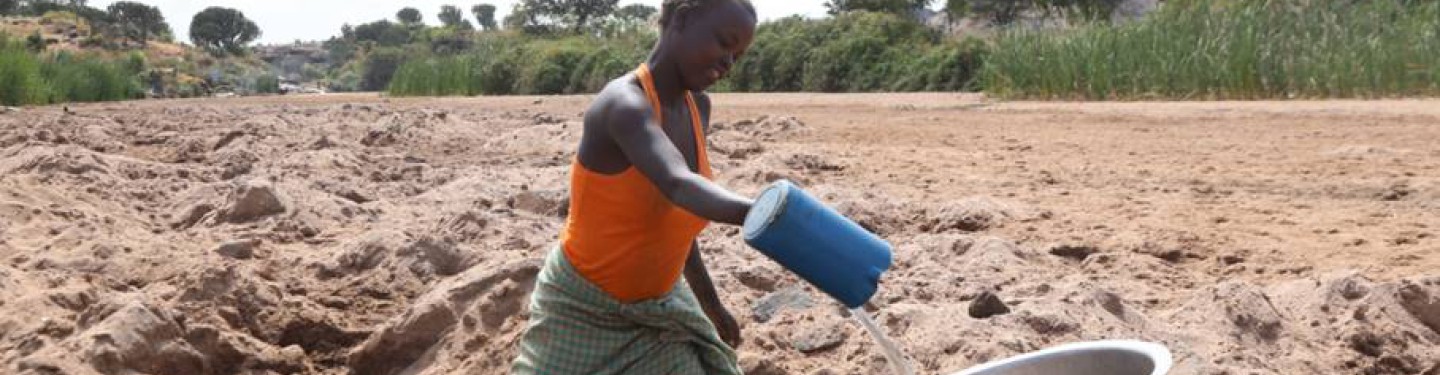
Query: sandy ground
[[356, 234]]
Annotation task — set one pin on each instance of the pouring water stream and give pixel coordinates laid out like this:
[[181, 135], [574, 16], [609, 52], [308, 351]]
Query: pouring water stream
[[898, 364]]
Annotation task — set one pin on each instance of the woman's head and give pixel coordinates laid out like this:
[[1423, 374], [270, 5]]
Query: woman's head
[[706, 37]]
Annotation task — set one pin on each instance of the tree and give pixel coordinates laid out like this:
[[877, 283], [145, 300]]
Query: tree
[[138, 22], [1001, 12], [35, 43], [9, 7], [382, 32], [452, 17], [409, 16], [636, 12], [520, 17], [576, 15], [222, 30], [380, 66], [485, 15], [901, 7], [630, 18], [1085, 10], [955, 10]]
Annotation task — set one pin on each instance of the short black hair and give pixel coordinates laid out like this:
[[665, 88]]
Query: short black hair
[[670, 8]]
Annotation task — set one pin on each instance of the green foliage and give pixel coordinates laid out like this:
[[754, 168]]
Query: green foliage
[[502, 64], [138, 22], [448, 40], [135, 62], [74, 78], [1217, 49], [346, 79], [485, 15], [951, 66], [222, 31], [636, 12], [73, 12], [27, 78], [409, 16], [20, 81], [341, 51], [520, 17], [267, 84], [383, 32], [858, 51], [380, 66], [575, 16], [37, 8], [855, 52], [900, 7], [1084, 10], [956, 9], [630, 19], [35, 43], [1001, 12], [452, 17]]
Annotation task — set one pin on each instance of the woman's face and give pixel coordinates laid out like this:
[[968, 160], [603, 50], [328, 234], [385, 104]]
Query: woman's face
[[711, 40]]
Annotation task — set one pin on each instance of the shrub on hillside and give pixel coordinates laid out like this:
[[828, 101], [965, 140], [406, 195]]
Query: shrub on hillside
[[267, 84], [20, 81], [380, 66], [28, 78]]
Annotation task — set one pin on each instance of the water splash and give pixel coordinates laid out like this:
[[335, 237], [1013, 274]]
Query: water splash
[[898, 364]]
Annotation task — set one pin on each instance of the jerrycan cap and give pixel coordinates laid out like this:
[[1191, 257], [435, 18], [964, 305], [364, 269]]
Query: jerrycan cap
[[767, 207]]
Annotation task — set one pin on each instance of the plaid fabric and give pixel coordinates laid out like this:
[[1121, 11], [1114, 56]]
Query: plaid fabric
[[576, 328]]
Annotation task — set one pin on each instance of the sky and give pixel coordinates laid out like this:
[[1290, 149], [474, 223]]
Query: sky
[[284, 21]]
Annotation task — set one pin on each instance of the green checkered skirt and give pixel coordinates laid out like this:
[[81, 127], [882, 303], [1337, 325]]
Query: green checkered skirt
[[577, 328]]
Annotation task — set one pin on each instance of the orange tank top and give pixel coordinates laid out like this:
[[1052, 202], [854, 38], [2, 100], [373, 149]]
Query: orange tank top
[[622, 234]]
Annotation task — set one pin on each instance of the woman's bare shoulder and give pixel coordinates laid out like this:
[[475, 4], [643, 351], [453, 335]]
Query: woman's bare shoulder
[[620, 102]]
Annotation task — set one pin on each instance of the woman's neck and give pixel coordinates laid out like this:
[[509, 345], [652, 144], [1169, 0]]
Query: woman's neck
[[666, 73]]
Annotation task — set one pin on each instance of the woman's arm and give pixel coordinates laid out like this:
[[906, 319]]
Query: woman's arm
[[647, 147], [699, 279]]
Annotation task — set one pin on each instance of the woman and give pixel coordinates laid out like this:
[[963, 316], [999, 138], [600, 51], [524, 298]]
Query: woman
[[610, 298]]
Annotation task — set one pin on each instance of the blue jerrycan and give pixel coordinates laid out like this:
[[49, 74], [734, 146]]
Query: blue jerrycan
[[813, 241]]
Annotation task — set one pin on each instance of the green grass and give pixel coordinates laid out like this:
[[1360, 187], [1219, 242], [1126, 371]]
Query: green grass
[[512, 64], [27, 78], [861, 52], [266, 84], [20, 81], [1215, 49]]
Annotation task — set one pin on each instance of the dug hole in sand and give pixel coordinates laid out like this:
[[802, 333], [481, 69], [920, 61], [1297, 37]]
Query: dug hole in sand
[[356, 235]]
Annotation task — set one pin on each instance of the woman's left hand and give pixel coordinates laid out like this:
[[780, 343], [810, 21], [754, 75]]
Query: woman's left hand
[[705, 294], [724, 322]]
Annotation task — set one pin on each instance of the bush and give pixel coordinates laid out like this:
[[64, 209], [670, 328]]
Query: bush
[[380, 66], [267, 84], [1220, 49], [550, 68], [27, 78], [20, 81], [501, 64], [853, 52], [74, 78], [35, 43]]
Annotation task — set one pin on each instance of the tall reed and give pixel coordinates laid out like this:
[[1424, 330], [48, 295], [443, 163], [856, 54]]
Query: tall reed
[[1219, 49]]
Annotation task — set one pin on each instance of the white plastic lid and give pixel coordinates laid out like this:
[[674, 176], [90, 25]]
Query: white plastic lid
[[765, 209]]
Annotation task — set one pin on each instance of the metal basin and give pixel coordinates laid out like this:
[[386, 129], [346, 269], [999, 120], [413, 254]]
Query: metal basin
[[1086, 358]]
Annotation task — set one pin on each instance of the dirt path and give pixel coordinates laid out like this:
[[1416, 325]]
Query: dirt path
[[357, 234]]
